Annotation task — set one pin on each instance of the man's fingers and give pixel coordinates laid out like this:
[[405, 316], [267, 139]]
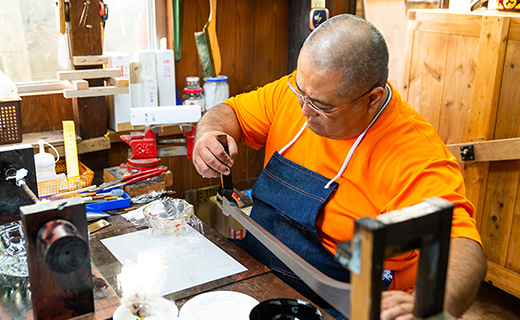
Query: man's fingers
[[397, 305]]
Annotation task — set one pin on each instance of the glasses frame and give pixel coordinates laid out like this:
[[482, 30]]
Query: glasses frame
[[308, 101]]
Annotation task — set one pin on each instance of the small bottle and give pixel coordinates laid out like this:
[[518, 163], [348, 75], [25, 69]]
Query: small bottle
[[216, 91], [193, 93], [45, 163]]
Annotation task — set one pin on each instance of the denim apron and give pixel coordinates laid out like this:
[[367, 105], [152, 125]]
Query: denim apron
[[287, 198]]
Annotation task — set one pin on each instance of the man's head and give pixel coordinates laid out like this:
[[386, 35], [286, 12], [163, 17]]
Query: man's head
[[343, 65]]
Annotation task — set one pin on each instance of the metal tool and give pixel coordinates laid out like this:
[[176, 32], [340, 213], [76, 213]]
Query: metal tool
[[135, 177], [335, 292], [84, 13]]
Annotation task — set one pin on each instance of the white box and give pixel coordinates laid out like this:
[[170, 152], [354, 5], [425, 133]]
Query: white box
[[165, 115], [147, 61], [165, 77], [149, 93], [119, 105]]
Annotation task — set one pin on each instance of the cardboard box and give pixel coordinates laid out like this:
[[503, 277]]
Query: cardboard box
[[204, 201], [149, 93], [119, 105], [226, 226], [147, 61], [165, 77], [164, 115]]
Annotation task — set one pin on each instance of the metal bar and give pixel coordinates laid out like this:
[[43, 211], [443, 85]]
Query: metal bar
[[335, 292]]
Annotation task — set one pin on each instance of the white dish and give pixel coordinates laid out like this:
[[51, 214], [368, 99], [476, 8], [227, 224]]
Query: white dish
[[164, 310], [218, 305]]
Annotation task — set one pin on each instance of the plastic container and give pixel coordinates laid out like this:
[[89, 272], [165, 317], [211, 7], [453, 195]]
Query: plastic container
[[51, 187], [124, 202], [216, 90], [45, 163], [193, 93]]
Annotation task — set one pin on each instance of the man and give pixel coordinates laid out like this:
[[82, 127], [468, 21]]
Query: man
[[341, 144]]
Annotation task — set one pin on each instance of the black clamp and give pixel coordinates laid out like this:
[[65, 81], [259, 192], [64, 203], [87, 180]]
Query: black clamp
[[467, 153]]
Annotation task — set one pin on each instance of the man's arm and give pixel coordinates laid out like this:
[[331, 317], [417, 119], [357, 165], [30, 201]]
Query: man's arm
[[466, 269], [209, 157]]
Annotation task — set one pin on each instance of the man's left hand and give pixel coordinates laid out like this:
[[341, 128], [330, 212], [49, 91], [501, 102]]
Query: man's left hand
[[397, 305]]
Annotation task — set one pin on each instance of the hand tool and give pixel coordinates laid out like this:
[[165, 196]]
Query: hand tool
[[207, 45], [139, 176]]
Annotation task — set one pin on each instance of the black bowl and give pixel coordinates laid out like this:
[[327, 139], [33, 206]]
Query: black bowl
[[285, 309]]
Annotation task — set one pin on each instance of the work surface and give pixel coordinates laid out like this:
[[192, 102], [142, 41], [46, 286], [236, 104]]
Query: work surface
[[257, 281]]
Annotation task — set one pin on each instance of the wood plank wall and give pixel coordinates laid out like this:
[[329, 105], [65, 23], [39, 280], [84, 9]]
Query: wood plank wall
[[253, 39]]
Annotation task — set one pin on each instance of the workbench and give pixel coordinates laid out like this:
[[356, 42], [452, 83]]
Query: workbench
[[257, 281]]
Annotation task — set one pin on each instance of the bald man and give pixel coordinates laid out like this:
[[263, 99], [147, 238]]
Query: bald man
[[341, 144]]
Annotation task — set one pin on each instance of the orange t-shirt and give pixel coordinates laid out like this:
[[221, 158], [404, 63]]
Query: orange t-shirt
[[400, 162]]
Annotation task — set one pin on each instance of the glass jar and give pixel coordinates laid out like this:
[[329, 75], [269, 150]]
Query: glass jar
[[216, 91], [193, 93]]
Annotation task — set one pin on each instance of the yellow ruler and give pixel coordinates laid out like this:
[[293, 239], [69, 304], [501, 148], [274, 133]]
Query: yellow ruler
[[71, 148]]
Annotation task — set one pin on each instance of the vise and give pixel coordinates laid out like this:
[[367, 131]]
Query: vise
[[144, 151]]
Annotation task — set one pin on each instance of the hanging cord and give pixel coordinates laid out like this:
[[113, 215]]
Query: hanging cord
[[357, 142]]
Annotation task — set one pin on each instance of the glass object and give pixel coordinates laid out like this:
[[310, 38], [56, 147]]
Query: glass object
[[193, 93], [13, 257], [216, 90]]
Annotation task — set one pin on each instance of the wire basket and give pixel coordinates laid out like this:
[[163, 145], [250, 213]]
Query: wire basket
[[56, 186], [10, 122]]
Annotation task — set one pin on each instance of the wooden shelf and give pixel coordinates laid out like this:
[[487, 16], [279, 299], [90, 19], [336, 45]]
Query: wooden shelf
[[55, 138]]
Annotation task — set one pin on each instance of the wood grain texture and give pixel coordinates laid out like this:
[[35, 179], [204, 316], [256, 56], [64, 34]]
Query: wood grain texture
[[500, 197], [427, 75], [458, 89]]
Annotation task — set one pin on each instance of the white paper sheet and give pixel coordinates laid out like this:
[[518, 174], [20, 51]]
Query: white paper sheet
[[192, 259]]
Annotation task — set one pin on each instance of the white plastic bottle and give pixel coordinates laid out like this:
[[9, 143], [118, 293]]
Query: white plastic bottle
[[45, 163]]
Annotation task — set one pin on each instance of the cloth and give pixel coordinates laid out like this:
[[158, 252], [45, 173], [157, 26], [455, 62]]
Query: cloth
[[400, 162]]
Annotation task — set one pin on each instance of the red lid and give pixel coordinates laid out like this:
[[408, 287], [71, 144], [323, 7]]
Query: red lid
[[192, 90]]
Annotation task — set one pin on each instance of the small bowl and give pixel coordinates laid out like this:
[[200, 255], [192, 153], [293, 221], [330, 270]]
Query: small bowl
[[285, 309], [167, 214]]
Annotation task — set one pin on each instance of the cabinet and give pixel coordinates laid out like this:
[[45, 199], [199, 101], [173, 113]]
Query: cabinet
[[462, 73]]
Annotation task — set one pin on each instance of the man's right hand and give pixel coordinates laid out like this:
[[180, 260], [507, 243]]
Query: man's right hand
[[209, 156]]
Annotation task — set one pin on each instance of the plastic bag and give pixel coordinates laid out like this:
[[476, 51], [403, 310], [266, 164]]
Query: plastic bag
[[166, 215]]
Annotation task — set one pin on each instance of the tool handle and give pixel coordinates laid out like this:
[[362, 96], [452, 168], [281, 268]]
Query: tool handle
[[138, 174], [226, 181], [147, 174]]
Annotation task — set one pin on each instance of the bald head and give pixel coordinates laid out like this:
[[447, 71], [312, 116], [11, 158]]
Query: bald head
[[353, 45]]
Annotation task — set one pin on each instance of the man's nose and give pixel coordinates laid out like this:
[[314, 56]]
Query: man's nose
[[307, 110]]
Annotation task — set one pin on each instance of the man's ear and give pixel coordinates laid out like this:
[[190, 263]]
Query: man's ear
[[375, 97]]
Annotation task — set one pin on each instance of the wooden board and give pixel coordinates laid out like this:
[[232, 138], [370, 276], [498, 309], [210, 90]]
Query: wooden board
[[394, 31], [428, 71], [89, 74], [94, 92], [89, 60], [458, 88]]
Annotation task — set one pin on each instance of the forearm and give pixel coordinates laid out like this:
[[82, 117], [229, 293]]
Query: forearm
[[466, 270], [220, 118]]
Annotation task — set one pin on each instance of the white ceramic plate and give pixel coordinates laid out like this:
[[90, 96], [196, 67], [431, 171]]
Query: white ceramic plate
[[218, 305], [166, 310]]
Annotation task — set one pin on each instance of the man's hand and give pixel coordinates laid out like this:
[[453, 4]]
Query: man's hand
[[466, 270], [209, 156], [397, 305]]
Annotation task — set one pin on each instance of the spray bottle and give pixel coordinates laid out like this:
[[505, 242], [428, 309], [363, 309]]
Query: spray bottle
[[45, 163]]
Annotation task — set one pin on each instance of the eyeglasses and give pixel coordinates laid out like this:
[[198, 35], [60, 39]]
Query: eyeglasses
[[324, 112]]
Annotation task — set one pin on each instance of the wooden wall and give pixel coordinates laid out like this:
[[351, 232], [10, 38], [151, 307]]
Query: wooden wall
[[253, 36]]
